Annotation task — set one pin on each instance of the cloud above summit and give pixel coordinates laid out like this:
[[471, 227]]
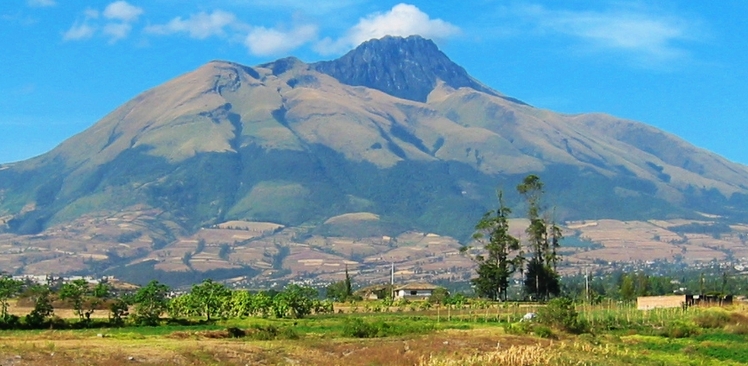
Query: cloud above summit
[[402, 20], [261, 40], [265, 42]]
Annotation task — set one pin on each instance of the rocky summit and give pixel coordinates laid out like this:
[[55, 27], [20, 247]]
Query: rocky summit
[[391, 138]]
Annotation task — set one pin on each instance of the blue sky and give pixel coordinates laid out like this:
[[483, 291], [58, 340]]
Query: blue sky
[[681, 66]]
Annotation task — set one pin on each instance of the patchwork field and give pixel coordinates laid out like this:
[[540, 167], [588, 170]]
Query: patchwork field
[[259, 252]]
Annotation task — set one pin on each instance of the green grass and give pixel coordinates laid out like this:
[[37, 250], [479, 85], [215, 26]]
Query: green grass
[[706, 349]]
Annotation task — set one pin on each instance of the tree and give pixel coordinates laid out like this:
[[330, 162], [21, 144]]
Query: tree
[[118, 309], [495, 268], [439, 295], [182, 306], [43, 308], [295, 302], [8, 289], [262, 303], [552, 258], [340, 291], [224, 252], [348, 284], [560, 313], [532, 189], [541, 278], [241, 304], [75, 293], [150, 302], [541, 281], [627, 288], [642, 284], [209, 297]]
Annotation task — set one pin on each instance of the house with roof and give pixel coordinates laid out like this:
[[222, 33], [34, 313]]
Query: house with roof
[[415, 291]]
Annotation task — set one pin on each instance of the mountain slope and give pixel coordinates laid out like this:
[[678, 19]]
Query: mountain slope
[[393, 128]]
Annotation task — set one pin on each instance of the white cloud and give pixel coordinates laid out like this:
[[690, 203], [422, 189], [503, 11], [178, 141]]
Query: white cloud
[[263, 41], [120, 14], [402, 20], [200, 26], [647, 36], [79, 31], [117, 31], [317, 7], [122, 10], [91, 13], [41, 3]]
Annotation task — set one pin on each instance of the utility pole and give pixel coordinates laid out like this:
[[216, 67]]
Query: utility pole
[[586, 285], [392, 280]]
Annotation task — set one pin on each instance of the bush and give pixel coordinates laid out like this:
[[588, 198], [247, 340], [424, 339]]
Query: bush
[[543, 331], [10, 322], [679, 329], [520, 328], [235, 332], [357, 328], [740, 329], [288, 333], [560, 313], [712, 319], [268, 333]]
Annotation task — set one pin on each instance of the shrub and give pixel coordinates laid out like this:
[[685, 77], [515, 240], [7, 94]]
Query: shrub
[[679, 329], [712, 319], [288, 333], [520, 328], [263, 332], [235, 332], [740, 329], [357, 328], [560, 313], [543, 331], [738, 318], [10, 322]]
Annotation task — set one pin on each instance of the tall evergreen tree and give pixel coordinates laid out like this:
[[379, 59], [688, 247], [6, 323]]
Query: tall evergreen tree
[[541, 278], [341, 290], [541, 281], [348, 285], [495, 267]]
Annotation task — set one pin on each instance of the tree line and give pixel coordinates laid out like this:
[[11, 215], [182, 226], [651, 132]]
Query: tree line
[[627, 286], [149, 304]]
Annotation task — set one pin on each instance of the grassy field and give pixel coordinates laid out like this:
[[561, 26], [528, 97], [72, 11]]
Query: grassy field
[[619, 335]]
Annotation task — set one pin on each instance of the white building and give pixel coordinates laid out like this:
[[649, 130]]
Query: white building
[[414, 291]]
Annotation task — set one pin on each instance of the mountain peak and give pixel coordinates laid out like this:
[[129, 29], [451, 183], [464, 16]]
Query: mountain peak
[[407, 68]]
